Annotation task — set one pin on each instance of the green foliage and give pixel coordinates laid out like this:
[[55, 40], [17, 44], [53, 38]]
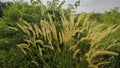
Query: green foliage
[[111, 16], [108, 17], [22, 10], [3, 6]]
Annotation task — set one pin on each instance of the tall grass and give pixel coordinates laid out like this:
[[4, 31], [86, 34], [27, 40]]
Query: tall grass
[[69, 44]]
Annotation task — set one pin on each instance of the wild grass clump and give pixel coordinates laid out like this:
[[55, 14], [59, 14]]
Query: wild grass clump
[[69, 44]]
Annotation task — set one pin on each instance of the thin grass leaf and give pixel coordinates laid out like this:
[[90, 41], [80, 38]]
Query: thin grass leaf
[[13, 28], [36, 63], [22, 28], [102, 63], [75, 53], [23, 45], [40, 51], [40, 42], [97, 53]]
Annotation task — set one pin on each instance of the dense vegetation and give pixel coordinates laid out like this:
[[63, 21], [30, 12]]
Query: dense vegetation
[[39, 36]]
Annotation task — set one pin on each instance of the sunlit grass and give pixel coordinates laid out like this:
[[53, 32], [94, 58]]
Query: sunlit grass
[[44, 39]]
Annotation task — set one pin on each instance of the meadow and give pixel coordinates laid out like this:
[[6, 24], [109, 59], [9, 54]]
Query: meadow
[[38, 36]]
